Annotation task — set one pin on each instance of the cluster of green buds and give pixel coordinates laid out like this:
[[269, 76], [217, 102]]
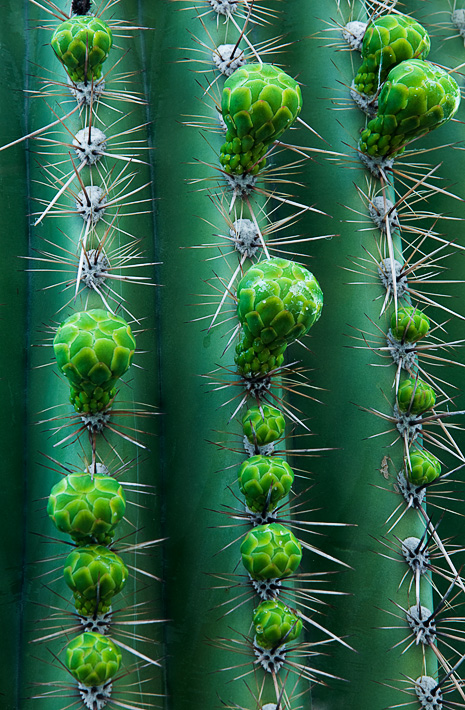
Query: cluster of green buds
[[259, 102], [415, 96], [278, 301], [93, 349]]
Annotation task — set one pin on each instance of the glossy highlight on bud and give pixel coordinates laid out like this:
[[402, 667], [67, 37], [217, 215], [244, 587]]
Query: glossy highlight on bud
[[92, 659], [270, 552], [82, 44], [275, 624], [264, 481]]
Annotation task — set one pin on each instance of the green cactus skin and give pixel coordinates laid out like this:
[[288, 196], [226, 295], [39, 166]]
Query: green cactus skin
[[422, 467], [389, 40], [94, 574], [87, 507], [409, 325], [416, 98], [263, 425], [92, 659], [93, 350], [270, 552], [82, 44], [278, 302], [415, 396], [275, 624], [259, 102], [264, 481]]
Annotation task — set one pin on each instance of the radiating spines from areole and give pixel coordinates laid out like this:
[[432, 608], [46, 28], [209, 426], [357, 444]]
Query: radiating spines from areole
[[87, 507], [92, 659], [275, 624], [263, 425], [417, 97], [82, 45], [409, 324], [264, 481], [259, 102], [278, 301], [422, 467], [389, 40], [93, 350], [270, 552], [94, 574], [415, 396]]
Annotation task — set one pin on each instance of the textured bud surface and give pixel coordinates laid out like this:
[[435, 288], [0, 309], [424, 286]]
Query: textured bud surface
[[409, 325], [263, 425], [82, 44], [422, 468], [92, 659], [415, 396], [275, 624], [94, 574], [264, 480], [270, 552]]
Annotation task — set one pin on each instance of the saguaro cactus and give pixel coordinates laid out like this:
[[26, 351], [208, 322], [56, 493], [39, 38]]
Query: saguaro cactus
[[196, 440]]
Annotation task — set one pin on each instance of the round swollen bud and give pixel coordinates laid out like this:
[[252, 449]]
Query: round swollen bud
[[263, 425], [389, 40], [278, 301], [259, 102], [94, 574], [264, 481], [87, 507], [92, 659], [93, 349], [409, 325], [422, 467], [82, 44], [416, 98], [270, 552], [415, 396], [275, 624]]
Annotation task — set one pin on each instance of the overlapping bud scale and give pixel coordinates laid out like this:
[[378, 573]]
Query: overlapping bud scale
[[92, 659], [82, 44], [270, 552], [264, 481], [94, 574], [275, 624]]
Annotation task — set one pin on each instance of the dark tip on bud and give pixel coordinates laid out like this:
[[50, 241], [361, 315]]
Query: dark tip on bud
[[80, 7]]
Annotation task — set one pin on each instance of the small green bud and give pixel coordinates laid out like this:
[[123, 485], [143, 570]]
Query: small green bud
[[263, 425], [94, 574], [270, 552], [415, 396], [264, 479], [422, 468], [92, 659], [410, 325], [275, 624], [82, 44]]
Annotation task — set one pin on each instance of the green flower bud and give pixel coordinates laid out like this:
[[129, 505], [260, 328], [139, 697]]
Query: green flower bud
[[278, 301], [275, 624], [264, 479], [92, 659], [259, 102], [263, 425], [87, 507], [93, 350], [422, 468], [415, 396], [416, 98], [410, 325], [94, 574], [270, 552], [82, 44]]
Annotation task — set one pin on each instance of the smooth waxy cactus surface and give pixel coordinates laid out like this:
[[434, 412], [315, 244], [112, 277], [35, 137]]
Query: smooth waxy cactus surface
[[278, 302], [87, 507], [259, 102], [270, 552], [409, 324], [422, 467], [93, 350], [92, 659], [415, 396], [416, 98], [389, 40], [82, 44], [95, 574], [264, 481], [275, 624]]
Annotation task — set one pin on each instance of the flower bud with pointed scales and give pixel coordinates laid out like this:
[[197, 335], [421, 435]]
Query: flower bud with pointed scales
[[92, 659], [93, 350], [415, 396], [389, 40], [264, 481], [416, 98], [94, 574], [409, 324], [82, 44], [275, 624], [259, 102], [263, 425], [278, 301], [87, 507], [270, 552], [422, 467]]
